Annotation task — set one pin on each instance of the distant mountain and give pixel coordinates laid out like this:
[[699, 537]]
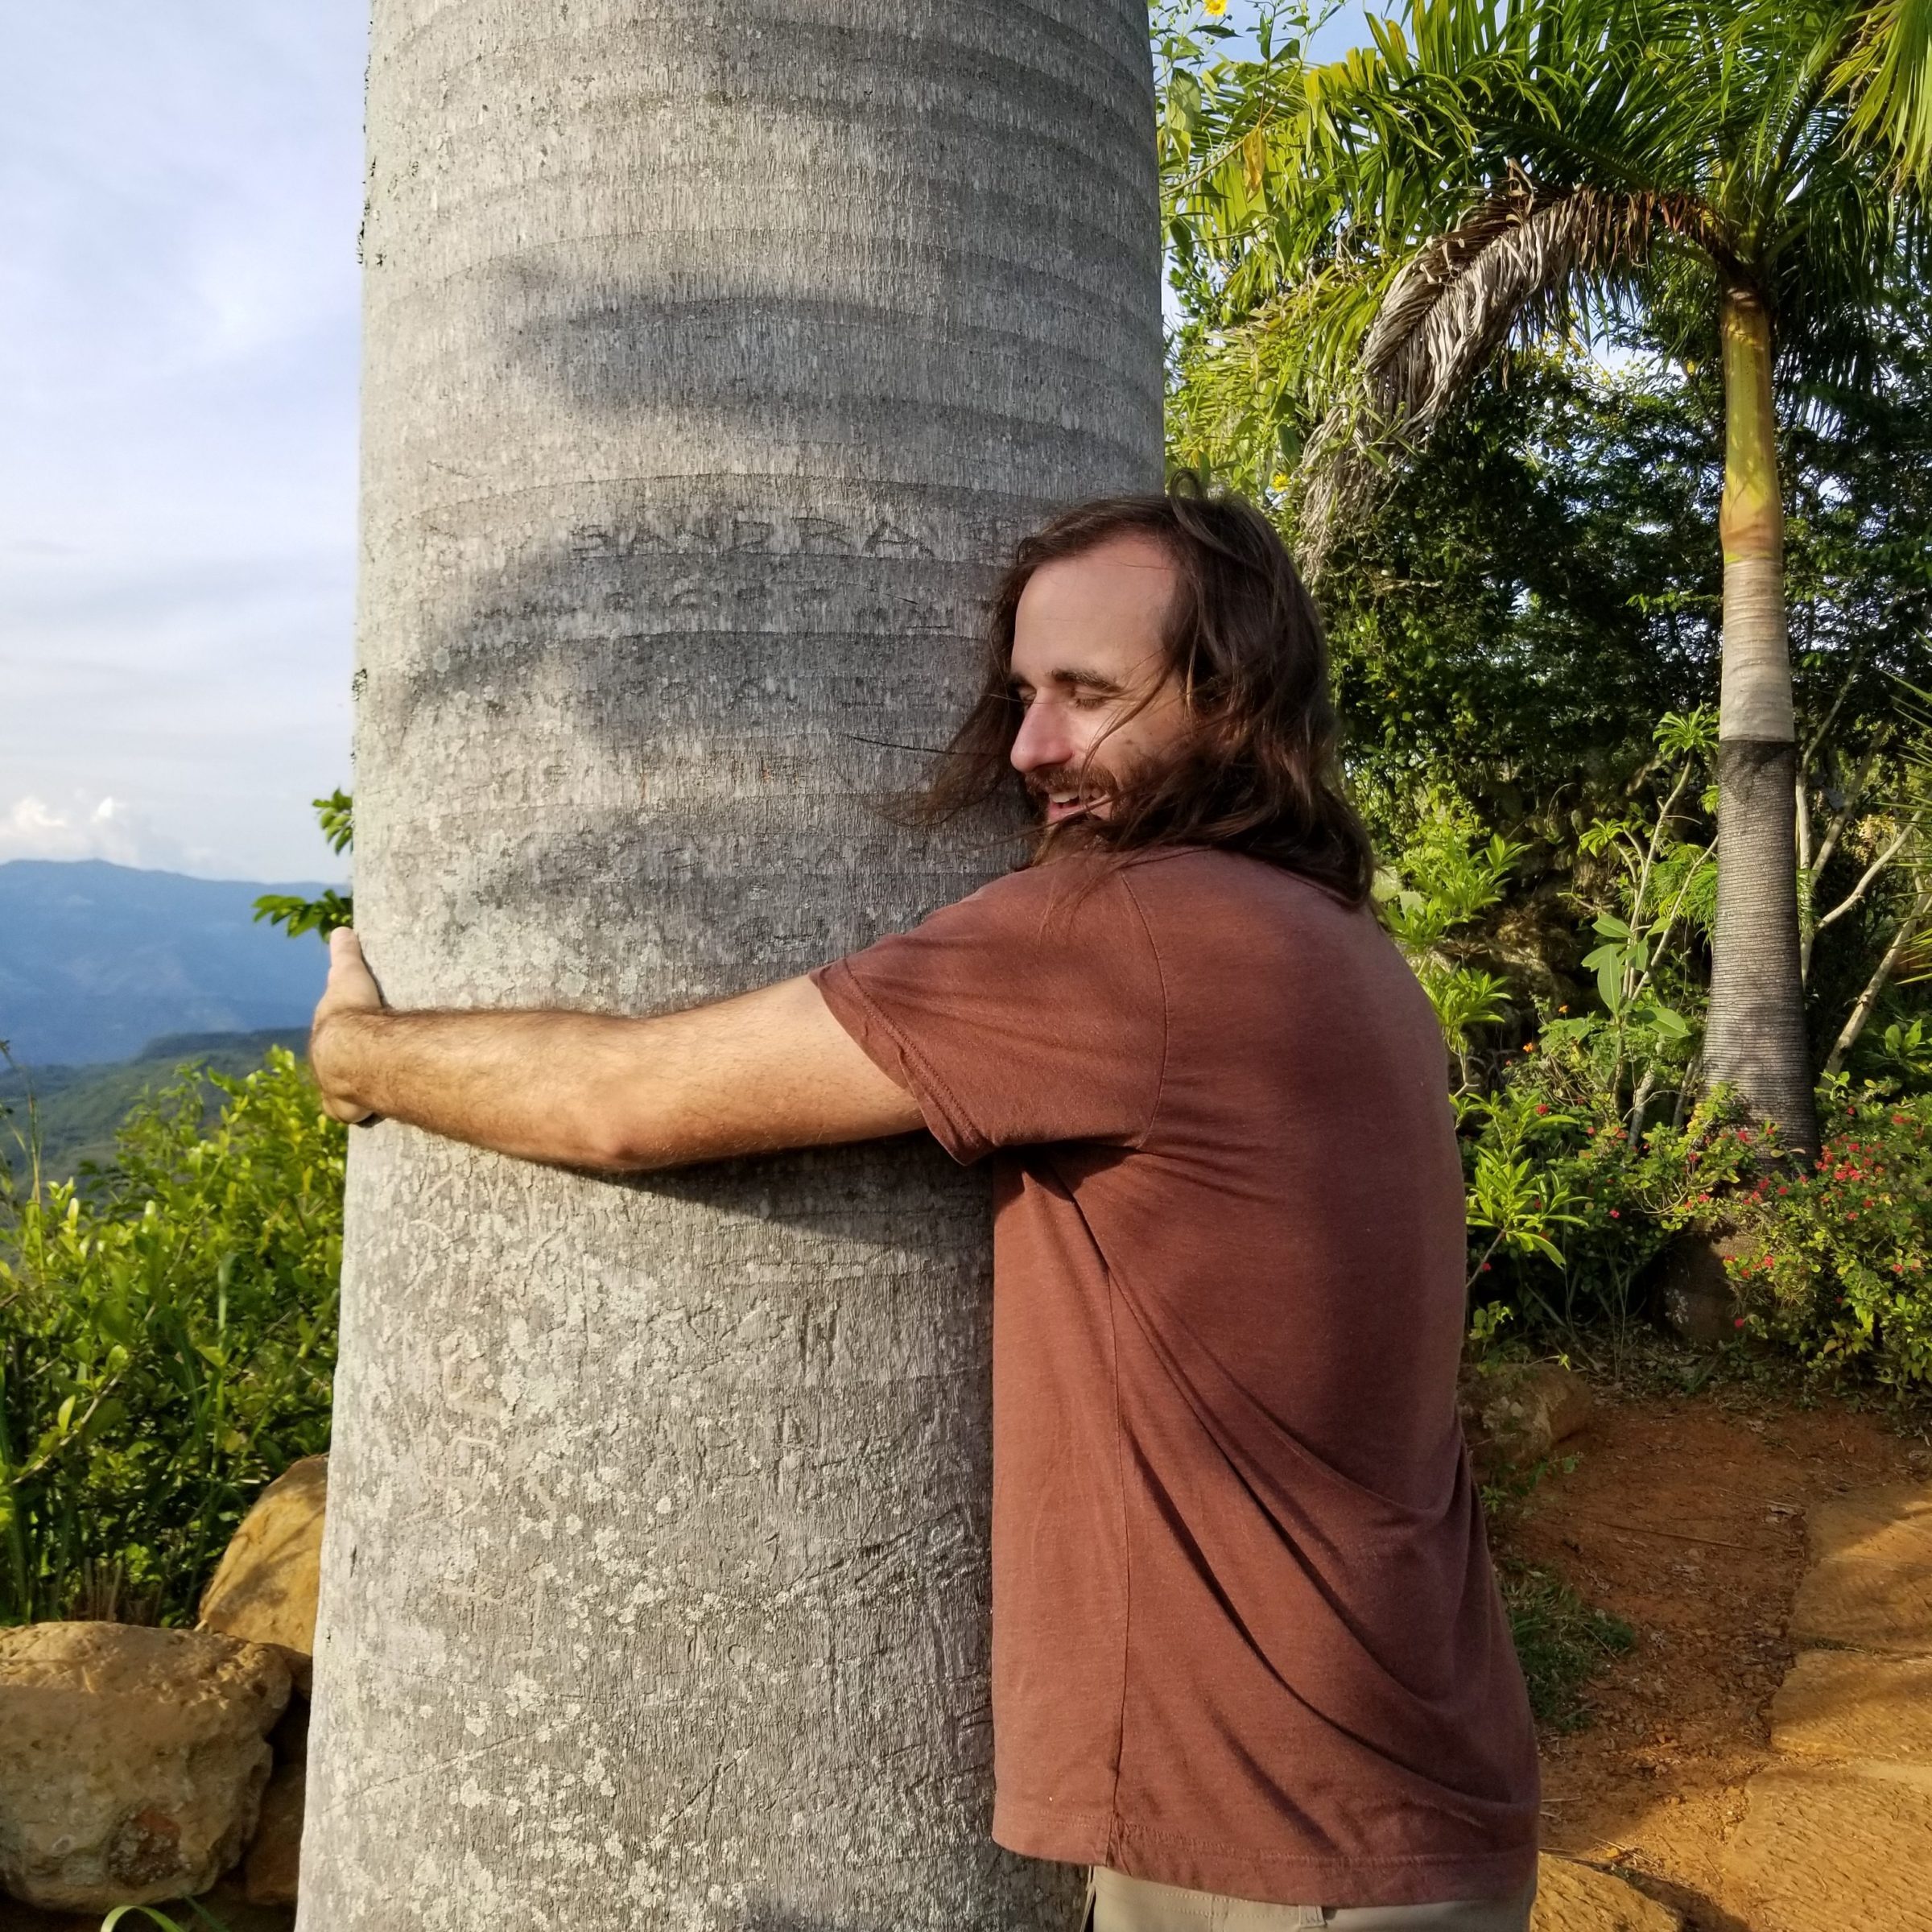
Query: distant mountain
[[96, 959], [76, 1110]]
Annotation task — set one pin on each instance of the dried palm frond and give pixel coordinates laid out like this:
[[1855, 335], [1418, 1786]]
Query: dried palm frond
[[1513, 266]]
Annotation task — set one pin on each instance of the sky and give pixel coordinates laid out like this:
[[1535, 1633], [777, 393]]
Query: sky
[[179, 192], [180, 186]]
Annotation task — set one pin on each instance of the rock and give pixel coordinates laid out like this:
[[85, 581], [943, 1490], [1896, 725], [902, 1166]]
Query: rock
[[1692, 1294], [265, 1589], [1514, 1417], [275, 1854], [1835, 1845], [132, 1761], [1870, 1584], [1839, 1704], [1570, 1897], [1888, 1525]]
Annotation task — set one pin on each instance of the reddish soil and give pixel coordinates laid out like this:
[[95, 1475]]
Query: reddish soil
[[1685, 1516]]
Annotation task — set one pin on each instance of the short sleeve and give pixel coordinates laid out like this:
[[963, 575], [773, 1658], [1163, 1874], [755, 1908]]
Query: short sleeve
[[1032, 1012]]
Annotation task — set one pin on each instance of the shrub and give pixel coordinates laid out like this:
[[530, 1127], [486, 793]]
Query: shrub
[[1836, 1264], [167, 1336], [1567, 1208]]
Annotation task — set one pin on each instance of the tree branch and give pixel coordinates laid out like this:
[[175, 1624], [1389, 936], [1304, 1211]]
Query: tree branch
[[1865, 884]]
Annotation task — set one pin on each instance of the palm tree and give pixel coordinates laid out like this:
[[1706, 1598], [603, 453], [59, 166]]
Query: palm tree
[[711, 357], [1381, 228]]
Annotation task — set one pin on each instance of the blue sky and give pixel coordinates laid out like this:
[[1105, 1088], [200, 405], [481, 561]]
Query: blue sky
[[179, 191]]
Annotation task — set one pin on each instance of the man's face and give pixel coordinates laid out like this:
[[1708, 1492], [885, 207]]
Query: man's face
[[1089, 673]]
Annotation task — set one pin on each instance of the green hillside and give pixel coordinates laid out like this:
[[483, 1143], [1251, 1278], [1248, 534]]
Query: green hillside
[[75, 1110]]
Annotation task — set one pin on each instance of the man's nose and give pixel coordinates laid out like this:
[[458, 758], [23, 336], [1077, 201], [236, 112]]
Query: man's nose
[[1041, 740]]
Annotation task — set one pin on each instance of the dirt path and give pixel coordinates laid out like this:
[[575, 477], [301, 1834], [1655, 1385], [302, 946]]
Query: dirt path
[[1685, 1517]]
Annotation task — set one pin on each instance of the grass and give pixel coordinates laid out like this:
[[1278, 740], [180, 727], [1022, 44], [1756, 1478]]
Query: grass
[[1560, 1641]]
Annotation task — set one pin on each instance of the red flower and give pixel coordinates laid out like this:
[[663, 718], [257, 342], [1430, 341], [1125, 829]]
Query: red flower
[[1738, 1321], [1541, 1108], [1616, 1214]]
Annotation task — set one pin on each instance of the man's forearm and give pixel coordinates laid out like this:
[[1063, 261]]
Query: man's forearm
[[766, 1070], [543, 1085]]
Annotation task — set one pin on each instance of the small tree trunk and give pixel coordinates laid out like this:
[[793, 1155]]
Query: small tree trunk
[[1756, 1041]]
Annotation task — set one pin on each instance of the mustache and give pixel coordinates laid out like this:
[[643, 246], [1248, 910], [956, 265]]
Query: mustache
[[1087, 787]]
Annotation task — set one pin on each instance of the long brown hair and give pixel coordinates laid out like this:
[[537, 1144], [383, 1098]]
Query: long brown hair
[[1259, 771]]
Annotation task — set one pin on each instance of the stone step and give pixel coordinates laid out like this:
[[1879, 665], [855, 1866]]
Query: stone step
[[1891, 1524], [1846, 1704], [1570, 1897], [1829, 1845], [1870, 1584]]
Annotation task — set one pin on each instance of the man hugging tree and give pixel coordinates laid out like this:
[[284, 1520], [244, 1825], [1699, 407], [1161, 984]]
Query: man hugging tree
[[1249, 1659]]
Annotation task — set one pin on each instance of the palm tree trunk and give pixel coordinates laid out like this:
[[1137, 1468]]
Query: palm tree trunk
[[1756, 1040], [712, 355]]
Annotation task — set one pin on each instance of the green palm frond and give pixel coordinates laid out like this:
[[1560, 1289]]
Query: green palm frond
[[1886, 72], [1375, 230]]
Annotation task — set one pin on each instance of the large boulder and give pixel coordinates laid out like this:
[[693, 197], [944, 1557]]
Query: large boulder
[[132, 1761], [265, 1589]]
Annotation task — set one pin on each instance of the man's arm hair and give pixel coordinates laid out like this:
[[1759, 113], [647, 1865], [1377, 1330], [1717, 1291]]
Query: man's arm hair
[[768, 1070]]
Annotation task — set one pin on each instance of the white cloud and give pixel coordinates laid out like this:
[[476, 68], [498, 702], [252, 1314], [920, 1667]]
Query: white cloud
[[80, 827]]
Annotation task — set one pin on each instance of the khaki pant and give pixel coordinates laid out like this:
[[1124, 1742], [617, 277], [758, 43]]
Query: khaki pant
[[1115, 1903]]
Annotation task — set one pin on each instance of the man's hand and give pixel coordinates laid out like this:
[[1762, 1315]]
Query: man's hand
[[352, 989], [768, 1070]]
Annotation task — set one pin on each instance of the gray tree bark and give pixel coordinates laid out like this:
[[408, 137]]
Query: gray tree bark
[[713, 354]]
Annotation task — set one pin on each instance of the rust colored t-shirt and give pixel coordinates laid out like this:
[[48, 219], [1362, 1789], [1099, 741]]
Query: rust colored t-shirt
[[1246, 1636]]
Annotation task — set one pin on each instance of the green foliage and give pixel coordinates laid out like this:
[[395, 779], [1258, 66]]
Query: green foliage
[[296, 915], [1660, 149], [156, 1916], [1836, 1263], [166, 1344], [1446, 878], [1567, 1209], [1540, 584]]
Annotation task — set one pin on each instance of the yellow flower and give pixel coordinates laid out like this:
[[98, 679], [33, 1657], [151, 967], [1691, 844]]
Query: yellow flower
[[1215, 8], [1279, 480]]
